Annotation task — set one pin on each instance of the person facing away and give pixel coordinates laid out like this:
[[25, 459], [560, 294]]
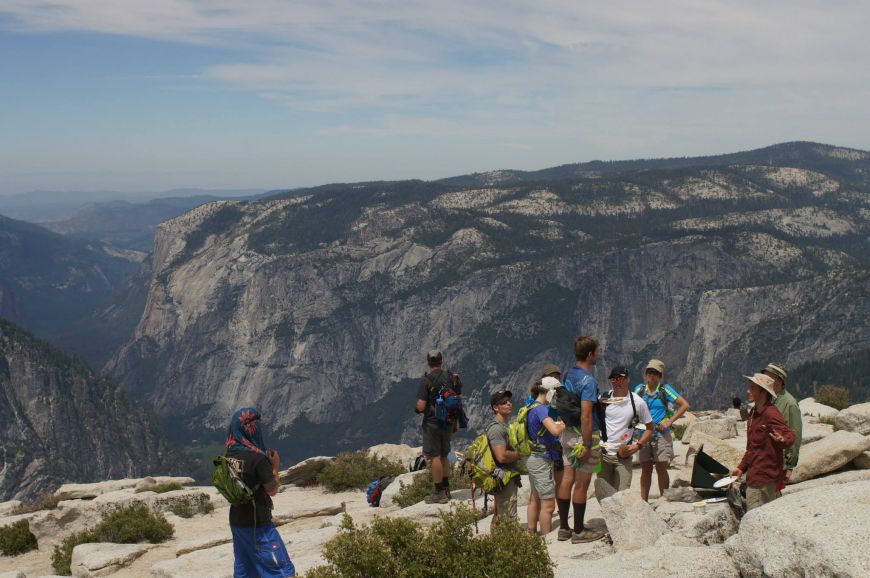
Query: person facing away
[[659, 451], [257, 547], [580, 444], [791, 413], [506, 457], [543, 431], [737, 404], [436, 437], [767, 435], [623, 410]]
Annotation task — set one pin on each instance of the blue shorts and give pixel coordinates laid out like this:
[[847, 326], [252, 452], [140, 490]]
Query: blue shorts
[[268, 559]]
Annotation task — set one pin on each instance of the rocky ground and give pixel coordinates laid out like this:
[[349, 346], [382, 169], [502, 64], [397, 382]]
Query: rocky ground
[[818, 528]]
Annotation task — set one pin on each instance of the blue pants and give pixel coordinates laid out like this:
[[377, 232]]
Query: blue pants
[[267, 559]]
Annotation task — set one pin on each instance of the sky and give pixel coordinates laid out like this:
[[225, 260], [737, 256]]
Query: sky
[[129, 95]]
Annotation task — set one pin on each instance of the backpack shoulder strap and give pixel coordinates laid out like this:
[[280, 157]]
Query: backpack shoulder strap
[[631, 397]]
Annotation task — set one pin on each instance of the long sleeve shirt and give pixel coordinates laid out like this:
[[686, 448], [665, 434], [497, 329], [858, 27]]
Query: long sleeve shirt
[[791, 413], [763, 460]]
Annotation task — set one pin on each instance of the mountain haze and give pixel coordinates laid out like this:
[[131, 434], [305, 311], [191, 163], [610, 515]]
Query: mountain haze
[[318, 304]]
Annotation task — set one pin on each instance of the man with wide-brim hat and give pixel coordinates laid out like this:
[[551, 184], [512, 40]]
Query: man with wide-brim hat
[[767, 435], [791, 413]]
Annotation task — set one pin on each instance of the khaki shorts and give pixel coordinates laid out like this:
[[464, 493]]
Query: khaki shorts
[[759, 496], [541, 476], [660, 448], [506, 499], [571, 438], [616, 471]]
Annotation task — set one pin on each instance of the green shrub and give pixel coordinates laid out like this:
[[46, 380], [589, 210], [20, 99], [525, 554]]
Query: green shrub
[[354, 471], [187, 509], [162, 488], [46, 501], [421, 486], [16, 539], [831, 395], [129, 525], [679, 429], [401, 547]]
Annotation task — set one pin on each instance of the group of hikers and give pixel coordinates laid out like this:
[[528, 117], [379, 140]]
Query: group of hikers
[[570, 431]]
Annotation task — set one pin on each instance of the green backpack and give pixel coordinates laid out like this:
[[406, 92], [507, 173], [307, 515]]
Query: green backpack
[[229, 484], [481, 467], [518, 433]]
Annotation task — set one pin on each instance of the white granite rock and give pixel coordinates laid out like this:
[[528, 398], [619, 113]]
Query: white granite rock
[[103, 559], [653, 562], [89, 491], [396, 452], [810, 407], [13, 574], [829, 454], [305, 471], [829, 480], [723, 429], [814, 431], [862, 461], [855, 418], [631, 522], [395, 487], [818, 532], [7, 509]]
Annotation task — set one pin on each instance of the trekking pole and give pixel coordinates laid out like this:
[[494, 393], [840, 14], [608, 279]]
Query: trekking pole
[[474, 507]]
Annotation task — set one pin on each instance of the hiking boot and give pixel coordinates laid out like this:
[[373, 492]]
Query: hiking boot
[[437, 497], [587, 535], [564, 534]]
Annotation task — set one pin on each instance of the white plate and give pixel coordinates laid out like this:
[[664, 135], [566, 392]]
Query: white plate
[[715, 500], [724, 482], [614, 400]]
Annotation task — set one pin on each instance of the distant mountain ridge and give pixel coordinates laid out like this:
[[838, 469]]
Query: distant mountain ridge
[[319, 303], [60, 422]]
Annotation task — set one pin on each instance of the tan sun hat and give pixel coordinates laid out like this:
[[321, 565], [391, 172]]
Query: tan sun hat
[[655, 364], [765, 382]]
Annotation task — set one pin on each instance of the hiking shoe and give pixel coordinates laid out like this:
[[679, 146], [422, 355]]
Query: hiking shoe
[[564, 534], [439, 497], [587, 535]]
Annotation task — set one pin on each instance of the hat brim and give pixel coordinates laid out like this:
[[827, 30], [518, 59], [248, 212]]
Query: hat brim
[[768, 389]]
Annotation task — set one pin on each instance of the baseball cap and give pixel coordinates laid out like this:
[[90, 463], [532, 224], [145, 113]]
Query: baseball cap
[[656, 365], [550, 368], [433, 356], [618, 371], [499, 397]]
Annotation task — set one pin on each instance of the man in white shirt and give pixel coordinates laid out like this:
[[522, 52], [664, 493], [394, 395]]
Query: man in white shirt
[[623, 410]]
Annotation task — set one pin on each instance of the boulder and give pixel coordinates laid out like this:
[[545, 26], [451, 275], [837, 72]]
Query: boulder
[[670, 561], [709, 524], [814, 431], [829, 454], [394, 488], [862, 461], [723, 429], [818, 532], [216, 562], [810, 407], [855, 418], [401, 453], [8, 508], [305, 472], [733, 413], [728, 453], [102, 559], [90, 491], [13, 574], [631, 522], [203, 543], [50, 527], [830, 480]]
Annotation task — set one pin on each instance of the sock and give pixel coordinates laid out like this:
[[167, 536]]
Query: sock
[[445, 482], [579, 514], [439, 487], [564, 506]]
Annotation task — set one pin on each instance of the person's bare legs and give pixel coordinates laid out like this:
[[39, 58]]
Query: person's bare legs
[[437, 465], [564, 491], [662, 474], [646, 469], [532, 512], [581, 488], [547, 508]]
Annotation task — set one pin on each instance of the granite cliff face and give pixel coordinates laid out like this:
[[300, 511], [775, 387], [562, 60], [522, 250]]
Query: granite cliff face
[[60, 422], [317, 304]]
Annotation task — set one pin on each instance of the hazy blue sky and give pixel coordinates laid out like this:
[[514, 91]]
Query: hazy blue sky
[[150, 95]]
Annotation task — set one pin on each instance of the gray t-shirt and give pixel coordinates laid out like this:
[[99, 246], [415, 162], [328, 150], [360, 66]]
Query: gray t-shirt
[[496, 434]]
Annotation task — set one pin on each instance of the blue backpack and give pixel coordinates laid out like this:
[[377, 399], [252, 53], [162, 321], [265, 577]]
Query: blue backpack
[[376, 489], [447, 399]]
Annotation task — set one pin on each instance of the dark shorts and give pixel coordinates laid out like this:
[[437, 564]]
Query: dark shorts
[[436, 443]]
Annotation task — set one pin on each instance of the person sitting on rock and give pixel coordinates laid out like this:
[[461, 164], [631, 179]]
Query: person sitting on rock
[[543, 432], [766, 436], [660, 450], [506, 457], [791, 413], [620, 419], [265, 557]]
